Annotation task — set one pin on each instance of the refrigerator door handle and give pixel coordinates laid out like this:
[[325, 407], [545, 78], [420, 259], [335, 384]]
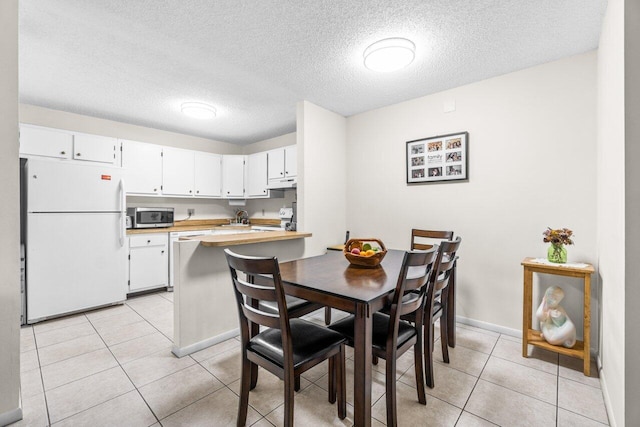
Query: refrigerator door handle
[[123, 212]]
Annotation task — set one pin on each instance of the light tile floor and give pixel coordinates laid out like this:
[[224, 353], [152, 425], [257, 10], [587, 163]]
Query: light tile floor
[[114, 367]]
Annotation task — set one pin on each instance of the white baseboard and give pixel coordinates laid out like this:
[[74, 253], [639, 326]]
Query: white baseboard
[[10, 417], [489, 326], [184, 351], [605, 394]]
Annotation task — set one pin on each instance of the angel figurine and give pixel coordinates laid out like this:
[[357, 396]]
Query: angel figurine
[[556, 326]]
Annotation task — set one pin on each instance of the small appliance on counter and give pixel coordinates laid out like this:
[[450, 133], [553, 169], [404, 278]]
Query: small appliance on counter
[[286, 219], [151, 217]]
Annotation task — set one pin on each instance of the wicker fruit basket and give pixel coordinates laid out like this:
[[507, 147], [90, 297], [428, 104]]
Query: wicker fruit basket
[[364, 260]]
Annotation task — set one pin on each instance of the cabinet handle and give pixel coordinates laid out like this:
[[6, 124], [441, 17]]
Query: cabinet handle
[[190, 191], [63, 152], [148, 241], [155, 189], [286, 173], [280, 173], [162, 252], [78, 154], [264, 191], [198, 192]]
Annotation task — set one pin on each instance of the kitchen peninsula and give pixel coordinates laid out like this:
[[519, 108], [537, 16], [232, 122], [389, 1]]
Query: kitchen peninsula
[[205, 310]]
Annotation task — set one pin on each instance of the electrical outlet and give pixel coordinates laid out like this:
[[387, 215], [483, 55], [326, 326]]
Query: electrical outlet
[[191, 211]]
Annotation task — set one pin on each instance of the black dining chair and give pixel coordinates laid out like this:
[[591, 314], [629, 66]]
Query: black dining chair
[[436, 303], [422, 240], [288, 347], [392, 336]]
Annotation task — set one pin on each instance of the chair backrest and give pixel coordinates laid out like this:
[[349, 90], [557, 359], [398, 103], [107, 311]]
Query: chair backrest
[[418, 236], [411, 289], [440, 275], [248, 294]]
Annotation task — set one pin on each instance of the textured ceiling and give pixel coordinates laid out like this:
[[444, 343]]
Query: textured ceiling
[[136, 61]]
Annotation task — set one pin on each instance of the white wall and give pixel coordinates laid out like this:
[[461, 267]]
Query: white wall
[[10, 223], [76, 122], [532, 162], [271, 143], [321, 176], [611, 206]]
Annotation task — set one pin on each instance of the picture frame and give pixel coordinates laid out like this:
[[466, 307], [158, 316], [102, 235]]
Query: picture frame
[[440, 158]]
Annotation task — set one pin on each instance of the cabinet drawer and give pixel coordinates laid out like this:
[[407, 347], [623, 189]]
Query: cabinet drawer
[[143, 240]]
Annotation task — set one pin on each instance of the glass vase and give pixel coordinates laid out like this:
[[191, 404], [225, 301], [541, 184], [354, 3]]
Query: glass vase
[[557, 253]]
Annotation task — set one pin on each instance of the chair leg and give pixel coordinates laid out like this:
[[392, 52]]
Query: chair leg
[[390, 380], [327, 315], [289, 383], [428, 353], [374, 360], [418, 361], [332, 380], [341, 381], [254, 376], [444, 340], [245, 385], [296, 383]]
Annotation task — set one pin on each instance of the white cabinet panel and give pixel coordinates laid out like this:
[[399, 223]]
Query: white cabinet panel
[[290, 161], [276, 163], [177, 172], [94, 148], [148, 261], [283, 163], [257, 175], [142, 165], [45, 142], [233, 176], [208, 174]]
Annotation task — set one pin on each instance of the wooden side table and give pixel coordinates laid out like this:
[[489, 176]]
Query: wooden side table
[[531, 336]]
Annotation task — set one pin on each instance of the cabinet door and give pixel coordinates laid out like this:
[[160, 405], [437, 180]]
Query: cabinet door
[[177, 172], [257, 175], [94, 148], [148, 261], [45, 142], [142, 167], [276, 163], [290, 161], [208, 174], [233, 176]]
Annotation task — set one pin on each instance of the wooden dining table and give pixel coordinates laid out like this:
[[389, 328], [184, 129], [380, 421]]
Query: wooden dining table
[[329, 279]]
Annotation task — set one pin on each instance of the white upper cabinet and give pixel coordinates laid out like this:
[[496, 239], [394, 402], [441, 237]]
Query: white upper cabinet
[[61, 144], [233, 176], [283, 163], [256, 166], [208, 174], [290, 161], [94, 148], [177, 172], [142, 164], [45, 142]]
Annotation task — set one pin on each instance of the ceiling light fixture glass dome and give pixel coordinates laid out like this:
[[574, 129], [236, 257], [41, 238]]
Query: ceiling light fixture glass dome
[[198, 110], [389, 54]]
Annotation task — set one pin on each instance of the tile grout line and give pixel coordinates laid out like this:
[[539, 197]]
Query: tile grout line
[[476, 384], [44, 392]]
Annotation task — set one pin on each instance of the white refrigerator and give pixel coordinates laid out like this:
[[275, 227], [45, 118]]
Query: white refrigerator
[[75, 237]]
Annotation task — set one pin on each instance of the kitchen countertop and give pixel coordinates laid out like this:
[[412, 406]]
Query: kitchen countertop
[[203, 224], [247, 238]]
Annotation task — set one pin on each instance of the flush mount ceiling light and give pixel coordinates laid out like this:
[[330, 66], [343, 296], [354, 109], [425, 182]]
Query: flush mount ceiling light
[[389, 54], [198, 110]]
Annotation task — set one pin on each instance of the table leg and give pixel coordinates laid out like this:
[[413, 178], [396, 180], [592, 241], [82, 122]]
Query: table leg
[[362, 366], [526, 309], [451, 309]]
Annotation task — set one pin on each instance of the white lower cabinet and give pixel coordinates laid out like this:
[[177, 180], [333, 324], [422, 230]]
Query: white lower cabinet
[[148, 261]]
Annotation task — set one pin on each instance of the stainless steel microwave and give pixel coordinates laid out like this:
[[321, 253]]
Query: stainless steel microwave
[[151, 217]]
